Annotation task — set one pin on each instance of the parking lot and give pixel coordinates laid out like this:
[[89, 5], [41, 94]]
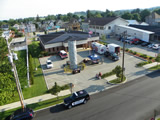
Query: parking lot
[[86, 78], [137, 48]]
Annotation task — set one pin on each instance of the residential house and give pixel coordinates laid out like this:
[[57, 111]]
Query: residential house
[[5, 27], [153, 19], [73, 25], [57, 41], [16, 26], [31, 28], [102, 26], [18, 44]]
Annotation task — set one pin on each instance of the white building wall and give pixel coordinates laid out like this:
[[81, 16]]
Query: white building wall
[[133, 33], [109, 28]]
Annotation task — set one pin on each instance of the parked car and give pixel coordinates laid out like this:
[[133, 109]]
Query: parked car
[[49, 64], [145, 43], [127, 41], [76, 98], [63, 54], [150, 45], [22, 114], [112, 55], [138, 42], [134, 40], [156, 46]]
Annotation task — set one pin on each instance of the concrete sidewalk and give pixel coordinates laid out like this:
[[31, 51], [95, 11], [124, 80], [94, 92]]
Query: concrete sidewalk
[[151, 65], [33, 100]]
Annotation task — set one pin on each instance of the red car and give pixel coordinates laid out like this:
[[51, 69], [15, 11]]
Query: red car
[[63, 54], [134, 40]]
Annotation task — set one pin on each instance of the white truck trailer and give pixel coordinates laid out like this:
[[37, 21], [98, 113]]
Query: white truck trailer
[[99, 48], [113, 48]]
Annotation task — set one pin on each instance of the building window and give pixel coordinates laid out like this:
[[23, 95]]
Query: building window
[[101, 28], [97, 27], [53, 49], [109, 27], [49, 50]]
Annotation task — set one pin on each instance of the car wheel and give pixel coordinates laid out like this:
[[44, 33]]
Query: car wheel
[[85, 101], [70, 106]]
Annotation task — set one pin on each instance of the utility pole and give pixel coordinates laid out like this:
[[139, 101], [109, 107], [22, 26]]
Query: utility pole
[[123, 69], [16, 77]]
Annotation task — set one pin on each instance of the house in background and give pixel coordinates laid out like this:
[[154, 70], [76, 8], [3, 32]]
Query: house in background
[[18, 44], [153, 19], [132, 22], [102, 26], [31, 28], [54, 42], [5, 27], [16, 26]]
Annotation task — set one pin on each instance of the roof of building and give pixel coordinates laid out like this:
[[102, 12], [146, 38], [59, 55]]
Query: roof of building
[[155, 29], [100, 21], [64, 37], [133, 22], [18, 40]]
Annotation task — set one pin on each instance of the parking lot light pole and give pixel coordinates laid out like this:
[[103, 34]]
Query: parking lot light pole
[[123, 69]]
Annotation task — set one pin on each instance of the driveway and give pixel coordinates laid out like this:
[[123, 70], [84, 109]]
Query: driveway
[[137, 48], [86, 78]]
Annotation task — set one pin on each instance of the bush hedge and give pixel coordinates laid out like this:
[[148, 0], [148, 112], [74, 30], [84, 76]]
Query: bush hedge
[[143, 63], [117, 70]]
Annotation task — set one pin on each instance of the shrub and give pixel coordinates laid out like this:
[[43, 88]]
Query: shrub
[[134, 53], [127, 49], [65, 87], [143, 63], [131, 51], [150, 58]]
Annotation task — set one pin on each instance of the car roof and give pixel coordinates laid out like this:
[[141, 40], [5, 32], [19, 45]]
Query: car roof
[[62, 51], [48, 60], [81, 92]]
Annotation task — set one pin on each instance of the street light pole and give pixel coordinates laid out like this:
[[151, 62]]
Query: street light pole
[[123, 69]]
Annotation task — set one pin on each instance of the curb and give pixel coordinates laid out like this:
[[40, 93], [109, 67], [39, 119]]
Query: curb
[[117, 83]]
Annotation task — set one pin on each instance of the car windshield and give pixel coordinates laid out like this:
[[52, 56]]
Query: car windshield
[[49, 63], [64, 54], [73, 96], [114, 54]]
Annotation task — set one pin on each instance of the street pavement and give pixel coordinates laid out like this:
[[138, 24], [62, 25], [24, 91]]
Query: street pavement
[[134, 100]]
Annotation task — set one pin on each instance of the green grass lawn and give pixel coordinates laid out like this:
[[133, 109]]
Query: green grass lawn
[[35, 106], [39, 86], [117, 80], [155, 67]]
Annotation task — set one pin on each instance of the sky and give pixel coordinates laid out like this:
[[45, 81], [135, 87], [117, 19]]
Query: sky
[[14, 9]]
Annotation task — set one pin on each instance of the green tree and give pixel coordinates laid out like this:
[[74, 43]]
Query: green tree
[[37, 18], [103, 38], [157, 11], [7, 88], [98, 15], [55, 89], [144, 13], [89, 14], [136, 16], [127, 16], [3, 50]]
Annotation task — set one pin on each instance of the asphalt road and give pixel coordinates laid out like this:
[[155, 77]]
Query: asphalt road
[[135, 100]]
